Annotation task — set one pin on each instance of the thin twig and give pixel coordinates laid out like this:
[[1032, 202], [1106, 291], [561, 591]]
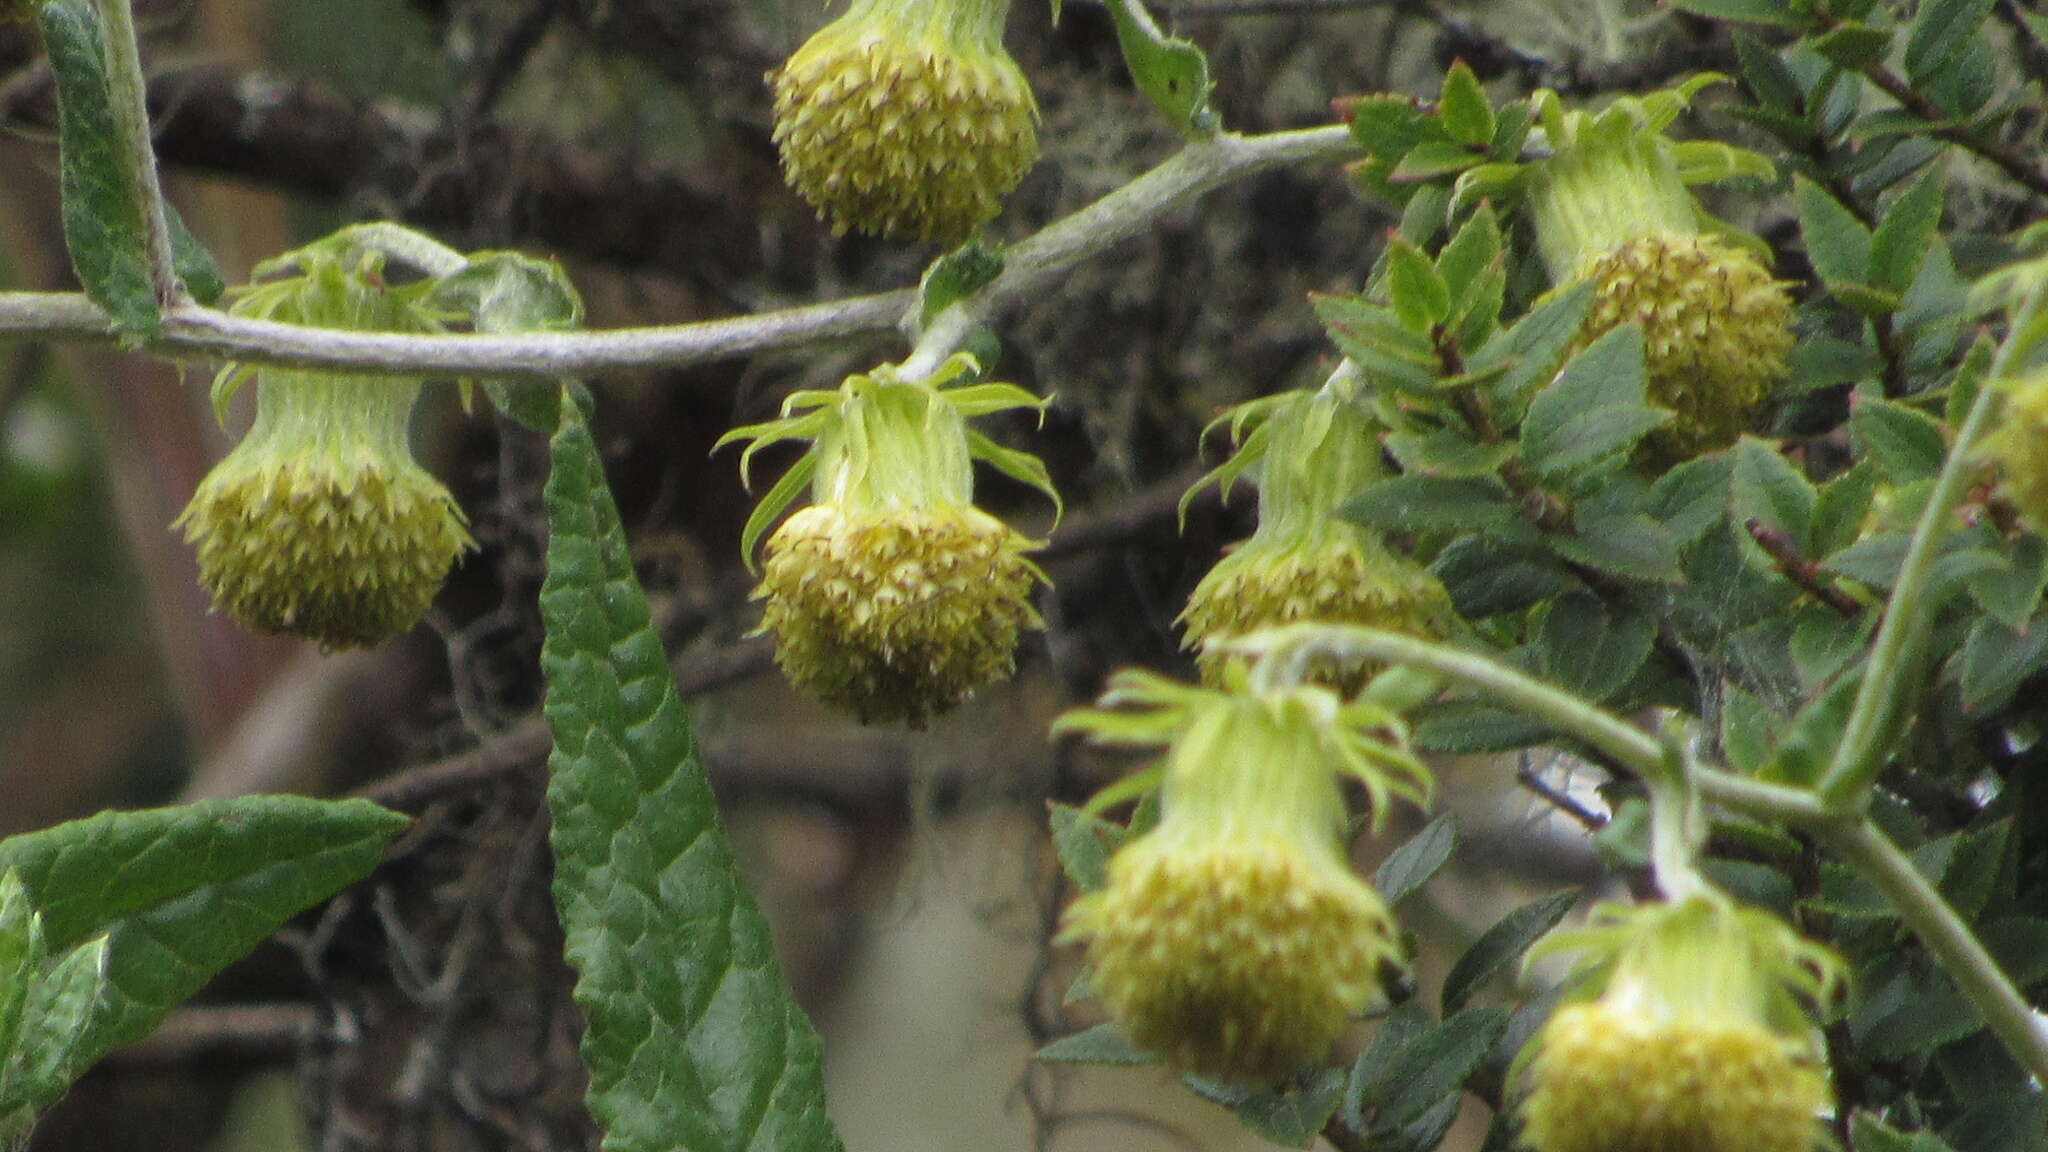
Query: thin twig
[[1784, 553]]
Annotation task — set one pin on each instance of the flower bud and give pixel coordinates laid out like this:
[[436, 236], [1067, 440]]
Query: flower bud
[[1610, 205], [1696, 1041], [893, 597], [319, 523], [1233, 938], [906, 118], [1311, 452]]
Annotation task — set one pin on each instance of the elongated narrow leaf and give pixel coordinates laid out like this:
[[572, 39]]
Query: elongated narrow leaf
[[103, 221], [692, 1038], [183, 892], [1501, 945]]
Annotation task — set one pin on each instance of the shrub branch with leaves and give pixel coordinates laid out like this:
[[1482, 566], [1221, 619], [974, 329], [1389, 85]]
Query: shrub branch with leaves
[[1748, 528]]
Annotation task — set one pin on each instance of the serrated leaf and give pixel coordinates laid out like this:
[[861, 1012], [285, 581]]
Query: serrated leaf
[[1432, 1065], [1292, 1117], [1486, 578], [1853, 45], [1691, 498], [1595, 408], [1907, 230], [1590, 648], [1628, 545], [1420, 857], [1839, 510], [1941, 31], [1502, 945], [1414, 287], [183, 892], [56, 1026], [1766, 74], [1764, 486], [2012, 591], [1996, 659], [1102, 1044], [1531, 350], [1824, 642], [691, 1036], [1907, 444], [512, 292], [1431, 503], [1433, 159], [1836, 241], [103, 219], [1477, 726], [1783, 13], [1463, 108]]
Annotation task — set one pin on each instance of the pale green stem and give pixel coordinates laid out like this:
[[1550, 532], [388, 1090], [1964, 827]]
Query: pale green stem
[[127, 93], [1977, 975], [191, 331], [1887, 685]]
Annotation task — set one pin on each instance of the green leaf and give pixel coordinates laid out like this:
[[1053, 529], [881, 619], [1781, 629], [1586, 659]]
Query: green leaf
[[1414, 287], [1765, 73], [56, 1027], [1764, 486], [1431, 503], [1486, 578], [1410, 866], [1867, 1133], [1431, 1066], [103, 219], [1592, 649], [1629, 545], [1783, 13], [1941, 31], [1432, 159], [184, 892], [692, 1039], [1102, 1044], [1594, 410], [1501, 945], [1466, 113], [1530, 351], [1824, 642], [513, 292], [1292, 1117], [1692, 498], [1083, 843], [191, 260], [1906, 232], [1907, 444], [1836, 241], [1853, 45], [1171, 72], [2012, 591], [1996, 659], [953, 277], [1838, 513], [1477, 726]]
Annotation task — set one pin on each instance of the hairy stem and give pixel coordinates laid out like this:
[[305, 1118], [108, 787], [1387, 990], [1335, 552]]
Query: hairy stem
[[191, 331]]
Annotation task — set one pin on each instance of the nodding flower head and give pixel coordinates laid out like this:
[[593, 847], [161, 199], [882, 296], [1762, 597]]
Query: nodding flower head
[[1309, 452], [1693, 1036], [892, 597], [1233, 938], [319, 523], [1610, 205], [907, 118]]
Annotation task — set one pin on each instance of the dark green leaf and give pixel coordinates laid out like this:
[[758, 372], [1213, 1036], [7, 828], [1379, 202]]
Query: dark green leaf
[[1595, 408], [1631, 546], [1502, 945], [103, 218], [193, 263], [1692, 498], [1764, 486], [1486, 578], [1590, 648], [1852, 45], [1997, 659], [692, 1039], [1869, 1134], [1838, 513], [1941, 30], [1292, 1117], [1102, 1044], [1410, 866], [1083, 843], [1907, 444], [1476, 726], [1532, 349], [1836, 241], [1784, 13], [953, 277], [1904, 235], [1431, 503], [1766, 74], [1824, 642], [184, 892], [2012, 591], [1431, 1066]]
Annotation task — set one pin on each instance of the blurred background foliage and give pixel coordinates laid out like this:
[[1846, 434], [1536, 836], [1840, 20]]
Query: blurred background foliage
[[909, 878]]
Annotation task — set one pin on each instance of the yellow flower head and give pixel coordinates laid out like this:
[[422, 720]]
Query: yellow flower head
[[1233, 938], [2020, 446], [1309, 452], [319, 523], [1610, 204], [907, 118], [892, 597], [1695, 1040]]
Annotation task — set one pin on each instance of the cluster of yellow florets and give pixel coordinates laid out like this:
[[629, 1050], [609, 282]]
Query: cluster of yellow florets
[[1233, 938], [906, 118], [1696, 1042], [344, 548], [1609, 1079], [1343, 576], [1716, 330], [896, 615], [2020, 445]]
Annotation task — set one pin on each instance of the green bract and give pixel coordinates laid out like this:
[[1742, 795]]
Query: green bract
[[1233, 938], [893, 597]]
